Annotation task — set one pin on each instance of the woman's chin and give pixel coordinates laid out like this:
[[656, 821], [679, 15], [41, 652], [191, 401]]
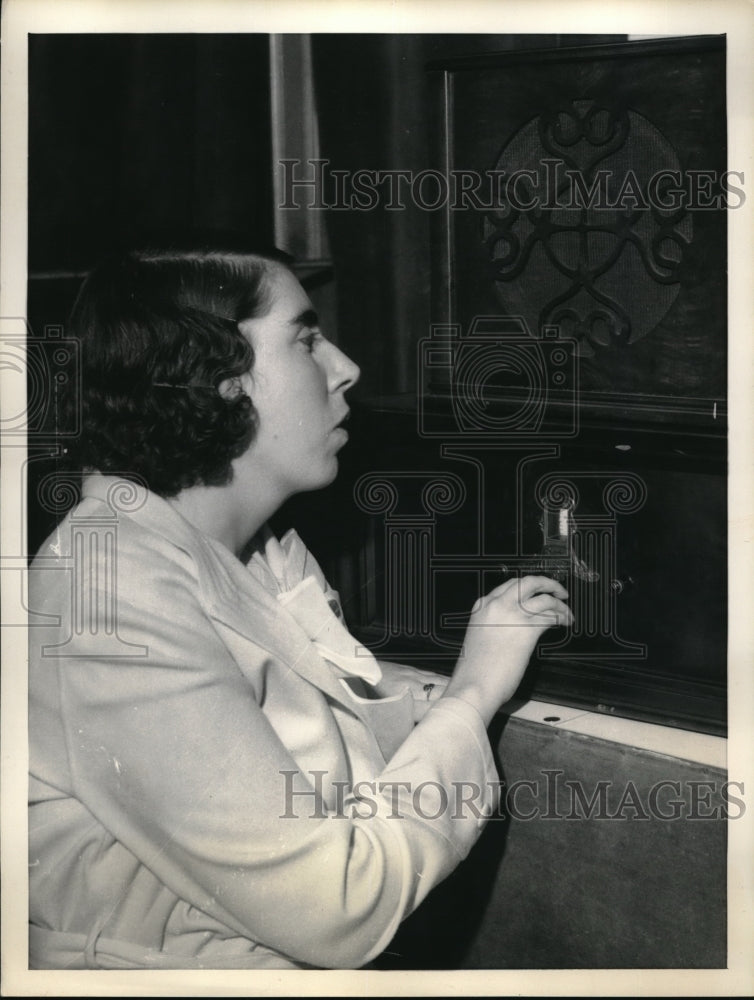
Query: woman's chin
[[319, 482], [333, 474]]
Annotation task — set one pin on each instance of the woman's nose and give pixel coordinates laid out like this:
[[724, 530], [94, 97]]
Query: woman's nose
[[344, 373]]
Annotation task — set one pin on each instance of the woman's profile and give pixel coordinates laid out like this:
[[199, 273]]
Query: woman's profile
[[220, 775]]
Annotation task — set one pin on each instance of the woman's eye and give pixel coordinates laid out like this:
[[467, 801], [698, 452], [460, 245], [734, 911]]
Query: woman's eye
[[310, 339]]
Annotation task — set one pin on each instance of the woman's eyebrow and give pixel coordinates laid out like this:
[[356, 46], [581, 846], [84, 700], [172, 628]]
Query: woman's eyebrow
[[308, 317]]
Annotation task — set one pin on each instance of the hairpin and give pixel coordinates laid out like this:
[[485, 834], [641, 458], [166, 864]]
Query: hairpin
[[184, 385]]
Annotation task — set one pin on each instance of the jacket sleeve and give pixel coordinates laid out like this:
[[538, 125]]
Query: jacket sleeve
[[171, 750]]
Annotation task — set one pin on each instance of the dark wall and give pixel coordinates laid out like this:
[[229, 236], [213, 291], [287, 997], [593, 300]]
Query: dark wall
[[134, 135]]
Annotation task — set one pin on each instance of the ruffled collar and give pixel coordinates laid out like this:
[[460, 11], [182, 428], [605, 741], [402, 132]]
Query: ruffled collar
[[303, 591]]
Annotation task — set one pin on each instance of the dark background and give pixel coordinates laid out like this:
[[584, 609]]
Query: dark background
[[136, 137]]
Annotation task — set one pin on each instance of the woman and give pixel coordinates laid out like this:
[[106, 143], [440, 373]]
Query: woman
[[221, 777]]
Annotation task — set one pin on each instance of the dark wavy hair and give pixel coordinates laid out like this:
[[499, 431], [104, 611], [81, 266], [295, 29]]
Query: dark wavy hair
[[158, 334]]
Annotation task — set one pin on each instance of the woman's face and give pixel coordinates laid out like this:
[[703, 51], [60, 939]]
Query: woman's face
[[297, 385]]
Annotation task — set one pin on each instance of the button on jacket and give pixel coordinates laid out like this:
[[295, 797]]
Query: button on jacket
[[211, 783]]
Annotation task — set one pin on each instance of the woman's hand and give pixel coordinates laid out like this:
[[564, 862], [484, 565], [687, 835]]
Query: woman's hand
[[501, 635]]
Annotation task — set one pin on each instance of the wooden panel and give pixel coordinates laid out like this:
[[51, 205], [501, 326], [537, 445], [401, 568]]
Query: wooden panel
[[606, 218], [588, 892]]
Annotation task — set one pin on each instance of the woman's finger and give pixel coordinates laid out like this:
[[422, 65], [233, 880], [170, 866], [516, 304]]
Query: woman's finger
[[530, 585], [556, 614], [541, 603], [527, 586], [550, 619]]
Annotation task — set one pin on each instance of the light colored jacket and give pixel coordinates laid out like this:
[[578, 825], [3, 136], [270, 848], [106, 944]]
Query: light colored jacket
[[207, 787]]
